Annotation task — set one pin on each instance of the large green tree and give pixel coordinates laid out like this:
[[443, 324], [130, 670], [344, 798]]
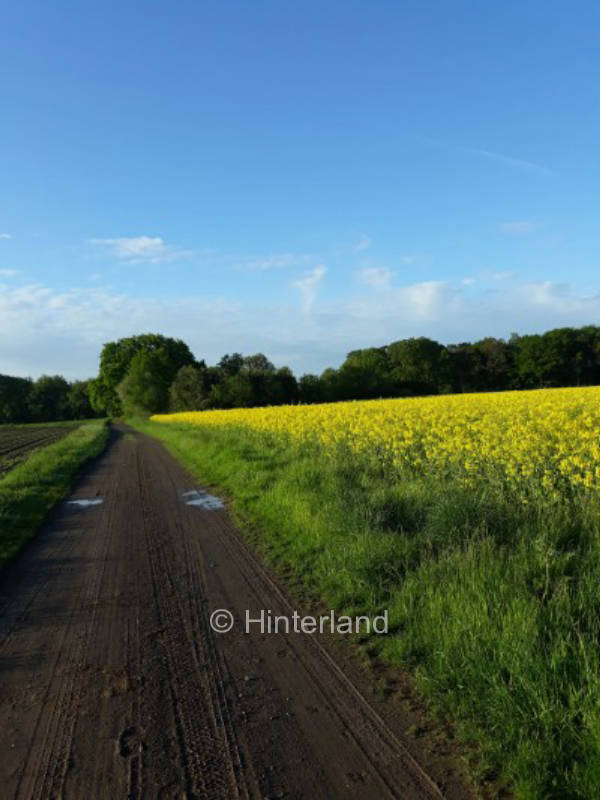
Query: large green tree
[[145, 388], [364, 374], [116, 358], [419, 366]]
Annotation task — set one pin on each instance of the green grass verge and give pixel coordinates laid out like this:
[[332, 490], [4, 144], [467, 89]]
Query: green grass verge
[[31, 489], [494, 605]]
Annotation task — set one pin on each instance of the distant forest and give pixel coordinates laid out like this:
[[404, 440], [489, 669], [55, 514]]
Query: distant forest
[[151, 373]]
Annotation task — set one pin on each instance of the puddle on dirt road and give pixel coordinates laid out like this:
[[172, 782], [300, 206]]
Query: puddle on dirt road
[[203, 500], [85, 503]]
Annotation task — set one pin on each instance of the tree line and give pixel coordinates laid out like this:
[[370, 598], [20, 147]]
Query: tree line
[[151, 373], [50, 398]]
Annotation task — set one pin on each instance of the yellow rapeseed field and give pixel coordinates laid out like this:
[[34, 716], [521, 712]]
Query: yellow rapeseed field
[[548, 438]]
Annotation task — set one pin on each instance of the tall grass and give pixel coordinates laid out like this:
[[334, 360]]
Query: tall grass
[[30, 490], [494, 604]]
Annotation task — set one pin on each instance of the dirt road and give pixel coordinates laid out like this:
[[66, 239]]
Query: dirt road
[[113, 685]]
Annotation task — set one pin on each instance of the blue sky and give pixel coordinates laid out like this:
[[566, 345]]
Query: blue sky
[[298, 179]]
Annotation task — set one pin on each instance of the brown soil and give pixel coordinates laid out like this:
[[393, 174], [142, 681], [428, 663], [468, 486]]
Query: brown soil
[[114, 685], [16, 443]]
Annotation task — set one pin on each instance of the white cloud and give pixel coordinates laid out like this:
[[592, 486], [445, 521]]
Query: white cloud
[[450, 313], [140, 249], [413, 309], [363, 243], [559, 299], [468, 281], [519, 227], [5, 236], [308, 286], [43, 329], [427, 299], [375, 276], [275, 261], [9, 273], [408, 259]]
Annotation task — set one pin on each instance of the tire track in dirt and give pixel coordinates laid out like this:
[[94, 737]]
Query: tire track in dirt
[[360, 721], [208, 753], [115, 686]]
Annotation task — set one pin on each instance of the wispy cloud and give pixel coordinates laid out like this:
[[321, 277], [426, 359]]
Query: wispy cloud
[[9, 273], [491, 155], [363, 243], [275, 261], [308, 286], [519, 227], [409, 259], [375, 276], [510, 161], [140, 249], [5, 236]]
